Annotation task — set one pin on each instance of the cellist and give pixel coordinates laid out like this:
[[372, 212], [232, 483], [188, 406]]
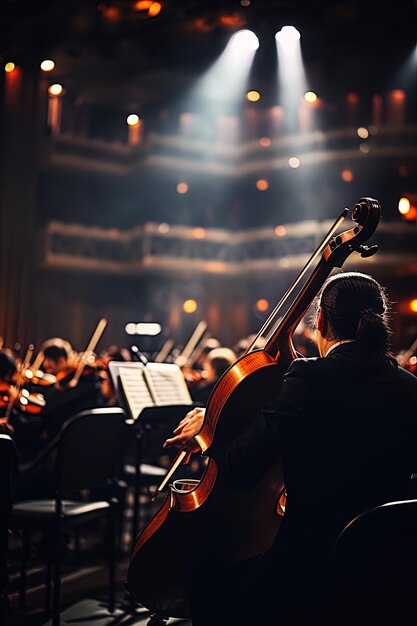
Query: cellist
[[344, 425]]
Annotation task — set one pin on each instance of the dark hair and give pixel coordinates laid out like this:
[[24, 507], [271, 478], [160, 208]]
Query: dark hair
[[356, 307], [55, 353], [221, 359]]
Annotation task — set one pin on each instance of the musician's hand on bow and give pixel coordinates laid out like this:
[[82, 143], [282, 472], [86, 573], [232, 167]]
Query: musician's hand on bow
[[183, 434]]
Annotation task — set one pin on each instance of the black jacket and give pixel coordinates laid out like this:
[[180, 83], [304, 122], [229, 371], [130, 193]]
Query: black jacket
[[346, 434]]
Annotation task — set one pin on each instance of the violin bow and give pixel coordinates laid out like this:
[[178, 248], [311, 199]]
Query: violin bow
[[90, 348], [190, 346]]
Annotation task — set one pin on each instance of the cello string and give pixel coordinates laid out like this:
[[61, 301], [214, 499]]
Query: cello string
[[286, 295], [178, 459]]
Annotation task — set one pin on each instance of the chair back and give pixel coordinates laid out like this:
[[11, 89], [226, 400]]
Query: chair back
[[8, 465], [89, 448], [375, 562]]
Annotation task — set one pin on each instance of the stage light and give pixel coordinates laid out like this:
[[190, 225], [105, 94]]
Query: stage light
[[288, 35], [404, 205], [292, 87], [182, 188], [262, 305], [199, 233], [47, 65], [407, 206], [130, 328], [164, 228], [147, 328], [265, 142], [294, 162], [150, 329], [132, 119], [262, 184], [189, 306], [244, 40], [362, 132], [9, 67], [55, 90], [253, 96], [347, 176]]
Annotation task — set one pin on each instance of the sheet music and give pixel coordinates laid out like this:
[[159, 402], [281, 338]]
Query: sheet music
[[166, 383], [135, 388], [156, 384]]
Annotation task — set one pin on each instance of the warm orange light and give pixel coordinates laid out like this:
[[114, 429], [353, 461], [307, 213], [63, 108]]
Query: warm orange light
[[352, 98], [413, 305], [404, 205], [203, 25], [398, 95], [362, 132], [412, 213], [55, 89], [112, 14], [143, 5], [280, 231], [154, 9], [347, 176], [148, 6], [189, 306], [231, 20], [9, 67], [182, 188], [262, 305], [199, 233], [262, 184], [265, 142], [253, 96]]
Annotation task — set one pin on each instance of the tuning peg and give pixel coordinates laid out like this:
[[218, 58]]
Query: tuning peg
[[367, 251]]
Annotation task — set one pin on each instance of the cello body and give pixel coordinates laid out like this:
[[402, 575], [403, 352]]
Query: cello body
[[207, 521], [228, 525]]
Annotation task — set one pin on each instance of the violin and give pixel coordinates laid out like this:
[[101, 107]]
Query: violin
[[243, 522], [21, 399], [15, 395], [193, 377], [35, 376], [38, 378]]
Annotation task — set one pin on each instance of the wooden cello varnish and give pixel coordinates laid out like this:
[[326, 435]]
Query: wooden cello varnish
[[205, 519]]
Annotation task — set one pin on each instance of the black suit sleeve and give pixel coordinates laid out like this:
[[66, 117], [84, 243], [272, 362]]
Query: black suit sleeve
[[245, 460]]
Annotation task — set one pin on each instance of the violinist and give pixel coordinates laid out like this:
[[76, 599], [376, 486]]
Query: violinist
[[57, 357], [344, 425], [62, 399], [214, 364], [36, 480]]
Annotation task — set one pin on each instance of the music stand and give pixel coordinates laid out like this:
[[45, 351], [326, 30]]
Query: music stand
[[154, 394]]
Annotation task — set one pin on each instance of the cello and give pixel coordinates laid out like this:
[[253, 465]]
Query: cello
[[208, 513]]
